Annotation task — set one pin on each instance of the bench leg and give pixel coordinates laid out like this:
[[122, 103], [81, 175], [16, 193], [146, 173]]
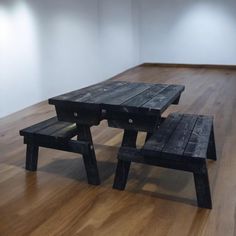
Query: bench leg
[[31, 157], [211, 152], [90, 161], [122, 169], [202, 188], [176, 102]]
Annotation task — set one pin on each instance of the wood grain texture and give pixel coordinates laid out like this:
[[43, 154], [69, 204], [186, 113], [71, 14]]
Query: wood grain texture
[[58, 201], [166, 148], [51, 127], [182, 135], [117, 96]]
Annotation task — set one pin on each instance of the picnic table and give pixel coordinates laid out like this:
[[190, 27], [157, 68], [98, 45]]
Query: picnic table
[[130, 106]]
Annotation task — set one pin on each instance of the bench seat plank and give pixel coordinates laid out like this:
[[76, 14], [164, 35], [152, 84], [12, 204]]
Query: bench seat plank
[[158, 140], [182, 142], [35, 128], [199, 140], [51, 128], [181, 135], [57, 135]]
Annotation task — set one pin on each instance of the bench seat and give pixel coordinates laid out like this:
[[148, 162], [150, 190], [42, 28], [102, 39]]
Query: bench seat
[[182, 142], [50, 129], [58, 135]]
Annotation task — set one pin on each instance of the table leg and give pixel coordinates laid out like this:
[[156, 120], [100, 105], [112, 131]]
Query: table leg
[[148, 135], [90, 162], [122, 169], [158, 123]]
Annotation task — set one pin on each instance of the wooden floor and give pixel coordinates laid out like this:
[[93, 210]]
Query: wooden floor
[[58, 201]]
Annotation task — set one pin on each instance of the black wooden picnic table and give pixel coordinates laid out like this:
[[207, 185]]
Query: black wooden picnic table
[[129, 106]]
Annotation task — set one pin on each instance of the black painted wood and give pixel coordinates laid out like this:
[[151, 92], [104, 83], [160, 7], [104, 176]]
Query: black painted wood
[[57, 135], [90, 162], [88, 106], [34, 128], [80, 147], [31, 157], [203, 188], [176, 102], [182, 142], [121, 94], [51, 128], [129, 138], [211, 151], [158, 140], [104, 88], [66, 132], [86, 94], [123, 166], [136, 155], [138, 122], [148, 136], [200, 138], [145, 96], [84, 114], [58, 130], [180, 137], [130, 98], [163, 99], [136, 104], [81, 106]]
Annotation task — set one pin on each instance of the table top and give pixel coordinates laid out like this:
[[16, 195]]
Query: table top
[[122, 96]]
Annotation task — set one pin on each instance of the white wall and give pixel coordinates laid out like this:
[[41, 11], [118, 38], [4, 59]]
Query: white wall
[[68, 33], [48, 47], [119, 36], [188, 31], [20, 66]]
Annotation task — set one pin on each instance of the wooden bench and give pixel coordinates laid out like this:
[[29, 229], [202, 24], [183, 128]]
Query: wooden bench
[[58, 135], [182, 142]]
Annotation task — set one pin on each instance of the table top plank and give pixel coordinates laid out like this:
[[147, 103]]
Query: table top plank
[[93, 96], [122, 94], [145, 96], [164, 98], [86, 94]]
